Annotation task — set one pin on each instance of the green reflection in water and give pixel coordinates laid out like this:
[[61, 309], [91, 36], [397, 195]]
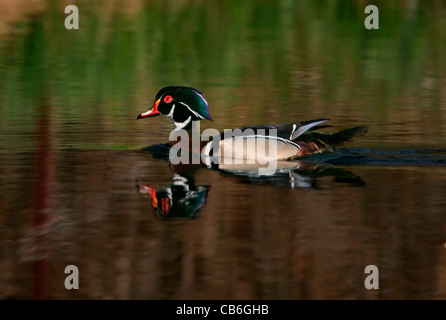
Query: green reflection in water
[[257, 61]]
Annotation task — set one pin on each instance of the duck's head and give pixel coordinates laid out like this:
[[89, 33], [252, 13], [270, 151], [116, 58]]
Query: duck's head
[[180, 104]]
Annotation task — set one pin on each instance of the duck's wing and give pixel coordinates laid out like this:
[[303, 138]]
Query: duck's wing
[[289, 131]]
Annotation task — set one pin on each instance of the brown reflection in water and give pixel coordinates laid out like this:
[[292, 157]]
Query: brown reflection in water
[[249, 242], [409, 231], [41, 206]]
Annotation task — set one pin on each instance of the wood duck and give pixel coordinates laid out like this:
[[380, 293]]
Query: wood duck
[[186, 106]]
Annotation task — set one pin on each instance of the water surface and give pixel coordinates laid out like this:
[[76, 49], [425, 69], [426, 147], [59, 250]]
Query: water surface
[[75, 180]]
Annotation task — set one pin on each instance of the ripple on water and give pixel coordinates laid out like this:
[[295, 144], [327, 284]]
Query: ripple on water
[[392, 156]]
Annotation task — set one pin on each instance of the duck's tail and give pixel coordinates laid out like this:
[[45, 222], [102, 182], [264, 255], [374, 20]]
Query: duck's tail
[[317, 142], [338, 138]]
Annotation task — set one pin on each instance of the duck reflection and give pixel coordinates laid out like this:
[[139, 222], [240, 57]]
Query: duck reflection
[[295, 174], [183, 199]]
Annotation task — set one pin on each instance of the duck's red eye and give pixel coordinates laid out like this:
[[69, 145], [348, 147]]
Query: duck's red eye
[[168, 99]]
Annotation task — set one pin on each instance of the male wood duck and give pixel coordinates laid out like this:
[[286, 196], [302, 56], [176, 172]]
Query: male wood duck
[[186, 106]]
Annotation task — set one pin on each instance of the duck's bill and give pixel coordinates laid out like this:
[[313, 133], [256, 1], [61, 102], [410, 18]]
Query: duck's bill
[[152, 112]]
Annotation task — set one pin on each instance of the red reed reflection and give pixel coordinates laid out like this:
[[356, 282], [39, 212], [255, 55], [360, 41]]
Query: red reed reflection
[[41, 206]]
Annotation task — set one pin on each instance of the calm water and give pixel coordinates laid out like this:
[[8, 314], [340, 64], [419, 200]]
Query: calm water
[[76, 180]]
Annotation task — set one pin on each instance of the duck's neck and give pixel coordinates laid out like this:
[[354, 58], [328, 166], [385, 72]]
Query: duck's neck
[[192, 133], [187, 125]]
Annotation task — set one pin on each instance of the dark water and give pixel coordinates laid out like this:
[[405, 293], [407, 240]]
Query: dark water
[[76, 185]]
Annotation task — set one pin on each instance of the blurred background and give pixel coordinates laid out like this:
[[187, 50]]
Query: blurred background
[[70, 149]]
